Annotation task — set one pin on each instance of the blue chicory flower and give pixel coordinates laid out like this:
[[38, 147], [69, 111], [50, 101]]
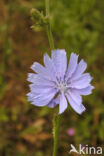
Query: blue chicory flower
[[56, 84]]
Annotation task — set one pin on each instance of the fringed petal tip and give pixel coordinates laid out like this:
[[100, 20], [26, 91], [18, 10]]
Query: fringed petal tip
[[82, 110]]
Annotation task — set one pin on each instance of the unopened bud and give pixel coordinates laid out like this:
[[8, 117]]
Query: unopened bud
[[39, 19]]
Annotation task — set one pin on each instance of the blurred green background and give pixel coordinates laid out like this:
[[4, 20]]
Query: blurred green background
[[77, 25]]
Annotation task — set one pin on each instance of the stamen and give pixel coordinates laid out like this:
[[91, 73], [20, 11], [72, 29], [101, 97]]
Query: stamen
[[61, 84]]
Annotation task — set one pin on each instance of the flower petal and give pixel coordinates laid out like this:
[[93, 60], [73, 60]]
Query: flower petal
[[82, 82], [41, 89], [50, 66], [85, 91], [42, 99], [32, 77], [38, 68], [78, 108], [76, 96], [72, 65], [63, 103], [39, 81], [54, 102], [81, 67], [60, 61]]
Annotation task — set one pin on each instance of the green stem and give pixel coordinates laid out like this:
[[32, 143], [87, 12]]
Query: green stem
[[48, 27], [56, 123]]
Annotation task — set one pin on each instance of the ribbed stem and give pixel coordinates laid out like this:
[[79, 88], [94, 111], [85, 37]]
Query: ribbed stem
[[48, 27], [56, 125]]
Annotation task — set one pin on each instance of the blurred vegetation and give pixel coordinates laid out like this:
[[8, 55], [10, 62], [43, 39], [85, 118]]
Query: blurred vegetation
[[77, 25]]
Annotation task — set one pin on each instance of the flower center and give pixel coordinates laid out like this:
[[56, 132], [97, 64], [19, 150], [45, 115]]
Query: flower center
[[61, 87], [61, 84]]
